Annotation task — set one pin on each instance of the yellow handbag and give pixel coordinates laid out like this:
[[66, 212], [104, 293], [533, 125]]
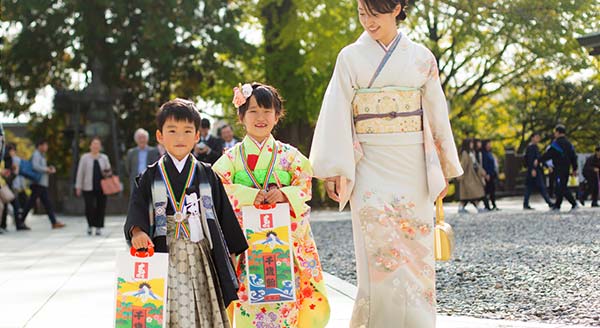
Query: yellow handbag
[[444, 235]]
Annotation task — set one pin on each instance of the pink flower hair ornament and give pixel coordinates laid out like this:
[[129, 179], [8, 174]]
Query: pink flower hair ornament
[[241, 93]]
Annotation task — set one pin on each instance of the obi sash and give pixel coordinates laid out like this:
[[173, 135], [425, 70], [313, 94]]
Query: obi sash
[[387, 110]]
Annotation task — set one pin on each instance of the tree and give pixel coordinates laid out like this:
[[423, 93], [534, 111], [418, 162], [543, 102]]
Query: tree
[[151, 51], [484, 46], [538, 103]]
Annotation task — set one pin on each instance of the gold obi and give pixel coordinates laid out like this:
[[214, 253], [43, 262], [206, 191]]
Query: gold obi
[[387, 110]]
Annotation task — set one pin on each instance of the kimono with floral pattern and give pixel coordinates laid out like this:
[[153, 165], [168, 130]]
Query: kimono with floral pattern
[[294, 173], [391, 178]]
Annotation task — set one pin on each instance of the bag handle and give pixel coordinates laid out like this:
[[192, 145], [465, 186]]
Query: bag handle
[[439, 211], [139, 253]]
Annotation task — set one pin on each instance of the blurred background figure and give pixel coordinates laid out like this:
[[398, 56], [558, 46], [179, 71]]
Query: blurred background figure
[[471, 182], [226, 134], [490, 165], [93, 166], [210, 148], [535, 174], [139, 157], [591, 172], [563, 156]]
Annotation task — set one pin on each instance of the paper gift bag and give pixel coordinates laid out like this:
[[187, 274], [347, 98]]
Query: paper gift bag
[[270, 266], [141, 289]]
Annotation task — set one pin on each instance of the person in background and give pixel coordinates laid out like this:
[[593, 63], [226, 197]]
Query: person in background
[[139, 157], [471, 182], [226, 133], [489, 164], [535, 174], [210, 148], [40, 189], [17, 185], [93, 166], [563, 156], [591, 171]]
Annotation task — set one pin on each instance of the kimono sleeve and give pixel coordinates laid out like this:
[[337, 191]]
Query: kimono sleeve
[[239, 195], [332, 151], [232, 232], [436, 109], [299, 191], [138, 214]]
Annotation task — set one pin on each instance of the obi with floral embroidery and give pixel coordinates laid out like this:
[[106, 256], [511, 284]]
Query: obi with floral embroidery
[[387, 110]]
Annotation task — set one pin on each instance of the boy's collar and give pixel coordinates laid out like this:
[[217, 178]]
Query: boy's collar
[[179, 164]]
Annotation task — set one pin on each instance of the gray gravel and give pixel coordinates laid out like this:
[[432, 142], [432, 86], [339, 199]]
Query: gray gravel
[[528, 266]]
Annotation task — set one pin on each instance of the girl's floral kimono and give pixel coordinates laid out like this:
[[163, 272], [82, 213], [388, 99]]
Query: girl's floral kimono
[[294, 175]]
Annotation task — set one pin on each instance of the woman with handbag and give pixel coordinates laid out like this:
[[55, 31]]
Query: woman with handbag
[[471, 183], [383, 142], [92, 168]]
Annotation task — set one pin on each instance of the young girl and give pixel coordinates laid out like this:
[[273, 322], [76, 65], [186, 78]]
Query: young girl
[[383, 141], [199, 236], [259, 109]]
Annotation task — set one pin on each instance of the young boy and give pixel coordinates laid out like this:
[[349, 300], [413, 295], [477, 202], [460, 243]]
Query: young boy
[[200, 236]]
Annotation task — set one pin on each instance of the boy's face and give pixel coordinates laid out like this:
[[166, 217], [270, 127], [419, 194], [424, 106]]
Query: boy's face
[[178, 137]]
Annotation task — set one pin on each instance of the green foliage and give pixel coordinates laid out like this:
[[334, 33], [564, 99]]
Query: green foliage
[[489, 53], [150, 51]]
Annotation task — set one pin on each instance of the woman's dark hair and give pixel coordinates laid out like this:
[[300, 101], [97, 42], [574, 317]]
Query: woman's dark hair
[[40, 142], [266, 97], [386, 7], [95, 138], [466, 145], [180, 110]]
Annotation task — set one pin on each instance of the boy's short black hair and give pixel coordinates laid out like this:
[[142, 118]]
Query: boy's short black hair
[[180, 110], [560, 129], [40, 142], [205, 123], [598, 148]]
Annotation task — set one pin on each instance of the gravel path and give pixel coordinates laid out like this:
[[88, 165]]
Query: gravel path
[[529, 266]]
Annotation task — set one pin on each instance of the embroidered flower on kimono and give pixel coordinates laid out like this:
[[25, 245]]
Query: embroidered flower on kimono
[[149, 319], [240, 94], [285, 311], [284, 163], [266, 320], [307, 291]]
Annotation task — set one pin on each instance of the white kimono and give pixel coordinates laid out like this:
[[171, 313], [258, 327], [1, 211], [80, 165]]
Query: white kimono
[[390, 179]]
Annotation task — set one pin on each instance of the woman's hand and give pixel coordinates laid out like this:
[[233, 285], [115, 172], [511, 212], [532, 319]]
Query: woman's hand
[[139, 239], [332, 186], [275, 196], [78, 192]]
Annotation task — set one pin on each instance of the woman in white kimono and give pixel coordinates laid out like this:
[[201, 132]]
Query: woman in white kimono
[[383, 142]]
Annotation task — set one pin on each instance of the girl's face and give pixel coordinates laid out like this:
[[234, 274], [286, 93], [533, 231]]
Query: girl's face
[[95, 146], [258, 121], [381, 27]]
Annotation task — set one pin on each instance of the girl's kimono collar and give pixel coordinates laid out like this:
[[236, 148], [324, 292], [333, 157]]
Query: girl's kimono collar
[[252, 145]]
